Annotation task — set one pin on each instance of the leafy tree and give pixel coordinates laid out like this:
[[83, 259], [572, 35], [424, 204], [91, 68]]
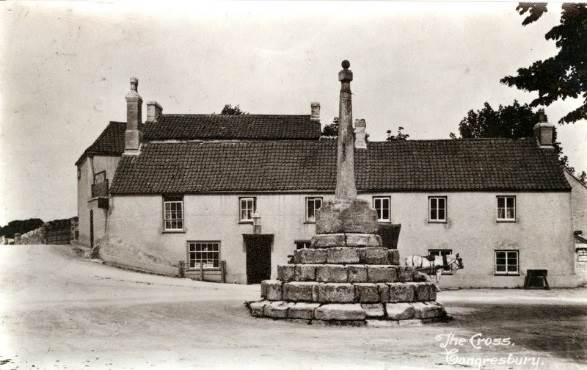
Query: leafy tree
[[400, 135], [331, 129], [20, 226], [511, 121], [565, 74], [231, 110]]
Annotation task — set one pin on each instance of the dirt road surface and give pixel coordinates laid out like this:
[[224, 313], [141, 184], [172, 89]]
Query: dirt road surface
[[59, 311]]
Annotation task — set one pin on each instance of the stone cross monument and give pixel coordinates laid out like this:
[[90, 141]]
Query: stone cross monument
[[347, 275]]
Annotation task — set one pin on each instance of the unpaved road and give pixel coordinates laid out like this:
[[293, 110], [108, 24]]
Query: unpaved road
[[58, 311]]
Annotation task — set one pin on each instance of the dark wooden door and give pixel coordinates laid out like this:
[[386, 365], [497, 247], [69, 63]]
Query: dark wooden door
[[258, 260], [91, 228]]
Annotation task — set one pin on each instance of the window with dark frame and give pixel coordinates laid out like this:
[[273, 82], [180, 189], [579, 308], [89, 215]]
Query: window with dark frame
[[381, 205], [437, 209], [205, 253], [506, 208], [173, 213], [312, 205], [247, 206], [507, 262], [302, 244]]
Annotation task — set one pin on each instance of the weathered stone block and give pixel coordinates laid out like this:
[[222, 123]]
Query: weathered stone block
[[328, 241], [299, 291], [433, 291], [342, 255], [271, 290], [428, 310], [363, 240], [276, 310], [302, 310], [341, 312], [393, 257], [310, 256], [257, 308], [422, 291], [376, 256], [406, 274], [332, 273], [336, 293], [400, 311], [383, 292], [367, 293], [373, 310], [286, 272], [306, 272], [381, 273], [357, 273], [355, 216], [401, 292]]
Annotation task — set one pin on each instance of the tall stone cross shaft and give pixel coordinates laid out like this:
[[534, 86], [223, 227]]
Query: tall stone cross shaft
[[345, 148]]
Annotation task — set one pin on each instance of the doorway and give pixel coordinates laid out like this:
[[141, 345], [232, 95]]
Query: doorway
[[258, 250]]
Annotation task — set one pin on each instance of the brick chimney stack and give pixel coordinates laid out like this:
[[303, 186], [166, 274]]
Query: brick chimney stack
[[544, 132], [134, 119], [315, 111], [154, 111], [360, 134]]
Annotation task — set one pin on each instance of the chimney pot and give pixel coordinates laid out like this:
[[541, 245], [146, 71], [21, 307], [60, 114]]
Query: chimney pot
[[315, 111], [544, 132], [360, 134], [134, 104], [154, 111]]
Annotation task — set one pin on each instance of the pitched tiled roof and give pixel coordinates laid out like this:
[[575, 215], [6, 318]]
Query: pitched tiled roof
[[296, 166], [110, 141], [245, 126]]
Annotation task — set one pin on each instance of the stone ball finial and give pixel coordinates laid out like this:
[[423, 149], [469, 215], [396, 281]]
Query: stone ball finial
[[345, 64]]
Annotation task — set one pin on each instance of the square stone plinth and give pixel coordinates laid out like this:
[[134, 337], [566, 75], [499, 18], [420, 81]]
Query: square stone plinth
[[302, 310], [340, 312], [400, 311], [353, 216], [299, 291], [332, 273], [401, 292], [336, 293]]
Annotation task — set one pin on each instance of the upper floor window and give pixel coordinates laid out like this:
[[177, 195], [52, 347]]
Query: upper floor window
[[506, 208], [381, 205], [173, 213], [437, 209], [247, 206], [506, 263], [312, 205]]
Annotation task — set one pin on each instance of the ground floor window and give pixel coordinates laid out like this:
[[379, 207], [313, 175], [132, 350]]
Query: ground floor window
[[506, 262], [205, 253]]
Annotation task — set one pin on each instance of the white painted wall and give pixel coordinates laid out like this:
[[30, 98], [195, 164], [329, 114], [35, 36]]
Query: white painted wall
[[542, 233], [578, 203]]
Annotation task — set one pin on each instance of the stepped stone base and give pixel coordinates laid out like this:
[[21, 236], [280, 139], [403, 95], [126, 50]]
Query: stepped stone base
[[399, 314]]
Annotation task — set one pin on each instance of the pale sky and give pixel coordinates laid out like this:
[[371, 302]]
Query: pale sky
[[65, 67]]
